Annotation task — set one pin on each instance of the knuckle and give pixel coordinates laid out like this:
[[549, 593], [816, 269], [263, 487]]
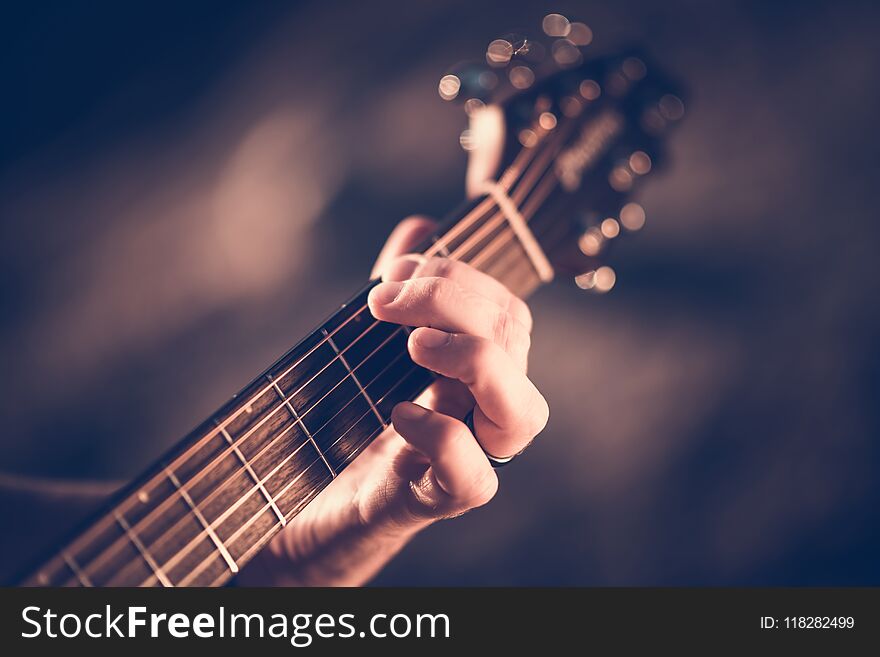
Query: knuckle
[[483, 356], [521, 309], [484, 487], [454, 432], [536, 415], [503, 327], [441, 267], [478, 356], [435, 291], [542, 415], [510, 334]]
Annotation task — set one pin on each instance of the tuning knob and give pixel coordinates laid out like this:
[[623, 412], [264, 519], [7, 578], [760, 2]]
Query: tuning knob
[[515, 48], [472, 80], [592, 241], [598, 281], [632, 217], [558, 26], [657, 117], [568, 39]]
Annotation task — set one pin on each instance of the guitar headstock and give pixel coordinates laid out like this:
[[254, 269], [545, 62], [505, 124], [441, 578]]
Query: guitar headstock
[[581, 132]]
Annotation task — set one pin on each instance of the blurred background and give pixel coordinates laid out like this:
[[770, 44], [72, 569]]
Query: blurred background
[[186, 190]]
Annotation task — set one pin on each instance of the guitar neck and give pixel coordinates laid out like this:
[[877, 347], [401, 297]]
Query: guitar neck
[[212, 503], [209, 505]]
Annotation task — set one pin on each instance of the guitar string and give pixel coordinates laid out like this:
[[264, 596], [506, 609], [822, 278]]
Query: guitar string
[[259, 482], [463, 224], [231, 539], [151, 485], [271, 530], [121, 541], [541, 190], [473, 216], [545, 186], [506, 237], [235, 535], [173, 559], [502, 237]]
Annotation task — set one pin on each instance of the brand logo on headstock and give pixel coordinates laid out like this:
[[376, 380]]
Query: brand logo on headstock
[[589, 146]]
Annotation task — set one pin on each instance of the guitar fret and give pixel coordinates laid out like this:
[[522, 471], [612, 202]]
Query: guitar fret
[[71, 563], [257, 480], [205, 525], [441, 246], [354, 378], [338, 386], [160, 575], [302, 500], [302, 425], [520, 227]]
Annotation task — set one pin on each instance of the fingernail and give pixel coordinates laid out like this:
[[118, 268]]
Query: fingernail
[[403, 268], [385, 293], [410, 411], [431, 338]]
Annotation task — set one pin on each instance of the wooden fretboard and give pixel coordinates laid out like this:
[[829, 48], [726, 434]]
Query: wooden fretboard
[[211, 504]]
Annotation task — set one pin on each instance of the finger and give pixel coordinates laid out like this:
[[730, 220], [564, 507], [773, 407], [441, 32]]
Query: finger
[[416, 266], [407, 235], [444, 304], [460, 476], [510, 411]]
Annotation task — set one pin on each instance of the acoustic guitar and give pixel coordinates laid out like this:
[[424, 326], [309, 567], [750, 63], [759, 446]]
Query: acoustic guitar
[[579, 134]]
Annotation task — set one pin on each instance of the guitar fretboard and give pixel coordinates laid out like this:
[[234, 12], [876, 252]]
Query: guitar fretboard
[[238, 479], [209, 506]]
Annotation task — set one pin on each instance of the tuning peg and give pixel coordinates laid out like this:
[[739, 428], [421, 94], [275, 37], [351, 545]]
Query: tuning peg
[[568, 37], [627, 169], [558, 26], [592, 241], [657, 117], [566, 53], [580, 34], [639, 163], [610, 228], [515, 48], [599, 280], [468, 81], [521, 77], [634, 69], [596, 237], [499, 52], [632, 217], [620, 178]]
